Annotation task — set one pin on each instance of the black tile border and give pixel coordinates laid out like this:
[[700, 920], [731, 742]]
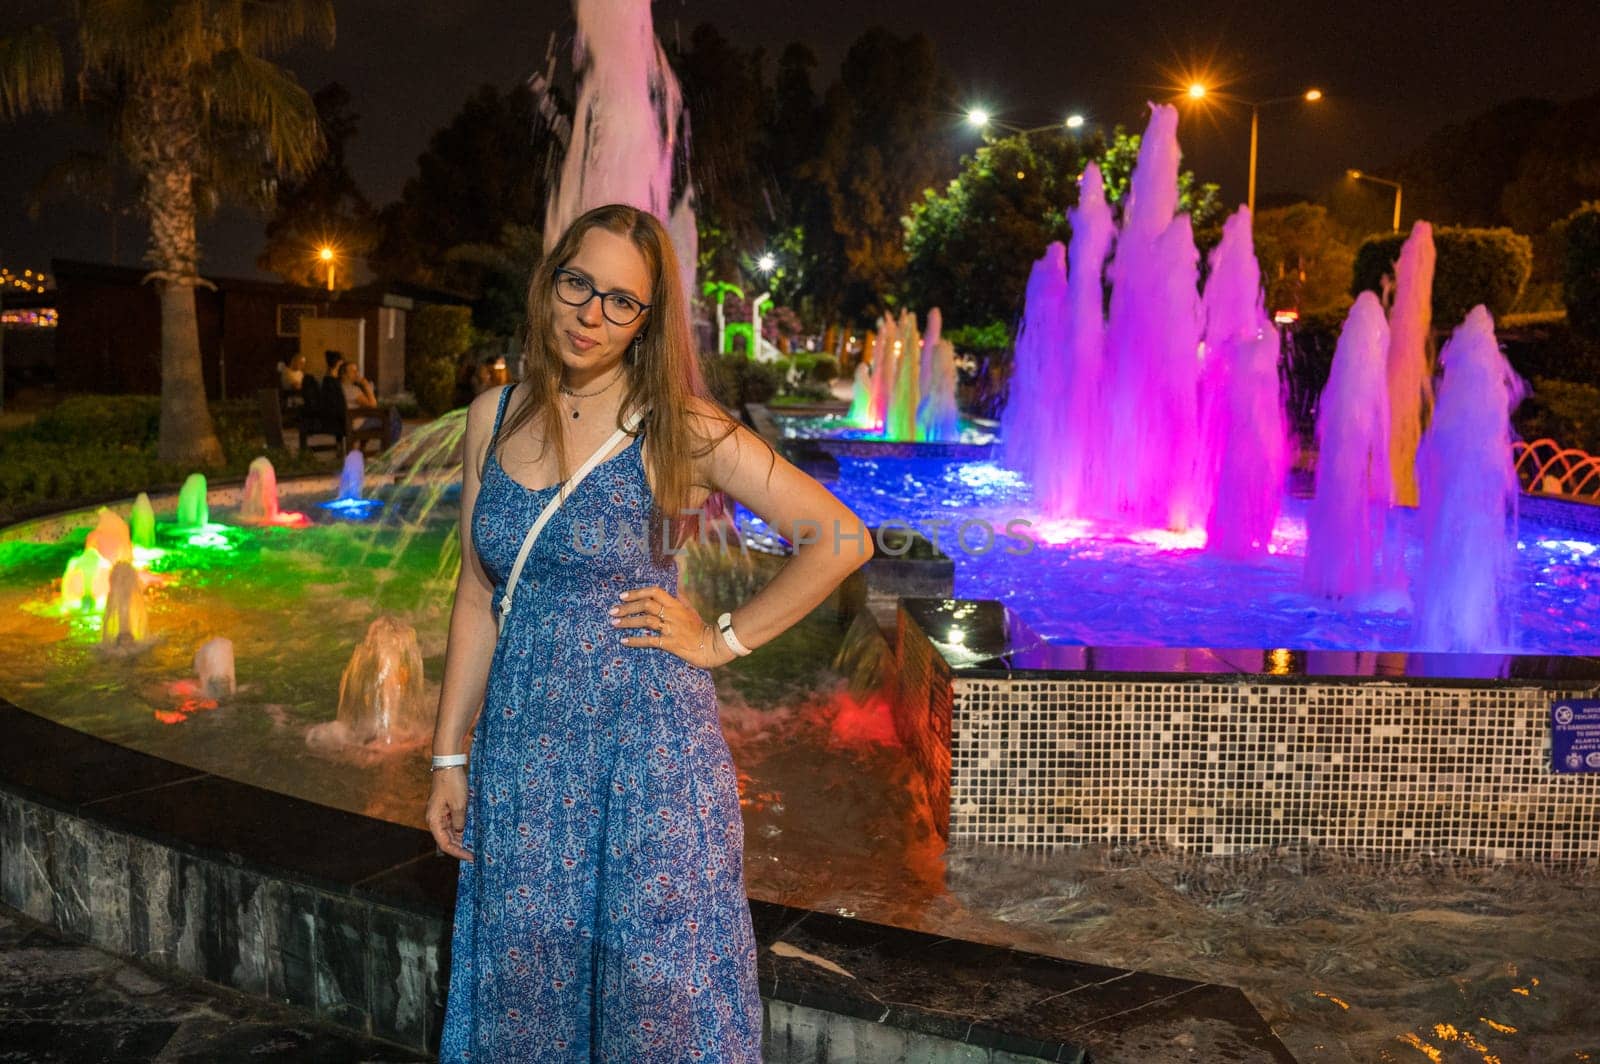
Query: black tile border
[[309, 870]]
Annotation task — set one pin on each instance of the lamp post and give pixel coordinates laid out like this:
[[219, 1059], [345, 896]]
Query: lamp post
[[1198, 91], [1357, 175]]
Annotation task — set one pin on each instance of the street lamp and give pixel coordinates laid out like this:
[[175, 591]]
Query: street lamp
[[1309, 96], [1198, 91], [326, 254], [979, 118], [1357, 175], [766, 263]]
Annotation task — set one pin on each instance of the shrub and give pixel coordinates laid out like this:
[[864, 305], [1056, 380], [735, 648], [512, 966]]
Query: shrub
[[1566, 412], [735, 380], [105, 420], [437, 339], [1580, 272], [1488, 266], [58, 461], [1550, 347], [825, 369]]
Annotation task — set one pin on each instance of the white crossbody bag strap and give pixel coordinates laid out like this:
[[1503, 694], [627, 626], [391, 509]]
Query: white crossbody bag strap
[[549, 511]]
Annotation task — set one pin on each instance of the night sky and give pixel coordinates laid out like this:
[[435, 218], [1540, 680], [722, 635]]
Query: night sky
[[1393, 72]]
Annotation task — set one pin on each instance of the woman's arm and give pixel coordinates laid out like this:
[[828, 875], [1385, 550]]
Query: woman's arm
[[830, 541], [470, 647]]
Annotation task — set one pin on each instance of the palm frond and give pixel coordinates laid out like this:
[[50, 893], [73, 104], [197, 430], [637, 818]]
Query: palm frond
[[268, 26], [143, 36], [248, 89], [31, 72], [89, 176]]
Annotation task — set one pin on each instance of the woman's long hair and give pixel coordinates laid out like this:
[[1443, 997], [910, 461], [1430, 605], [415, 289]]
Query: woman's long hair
[[662, 372]]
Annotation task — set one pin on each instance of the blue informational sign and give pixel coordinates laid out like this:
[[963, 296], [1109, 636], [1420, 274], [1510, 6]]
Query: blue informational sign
[[1575, 735]]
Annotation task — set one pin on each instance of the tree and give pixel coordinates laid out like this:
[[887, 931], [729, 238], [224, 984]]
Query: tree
[[325, 208], [969, 249], [723, 92], [880, 144], [1305, 257], [199, 114], [1459, 174], [485, 170], [1560, 169]]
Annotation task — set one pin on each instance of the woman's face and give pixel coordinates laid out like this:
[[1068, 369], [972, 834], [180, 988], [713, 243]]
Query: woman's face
[[586, 338], [347, 372]]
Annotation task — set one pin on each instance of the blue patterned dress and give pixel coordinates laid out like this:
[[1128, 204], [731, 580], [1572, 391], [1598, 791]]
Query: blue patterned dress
[[605, 917]]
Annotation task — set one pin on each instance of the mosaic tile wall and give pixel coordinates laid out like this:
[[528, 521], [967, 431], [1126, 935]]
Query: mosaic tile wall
[[1227, 767], [921, 704]]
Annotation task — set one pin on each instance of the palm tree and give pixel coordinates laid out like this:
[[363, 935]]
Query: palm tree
[[199, 114]]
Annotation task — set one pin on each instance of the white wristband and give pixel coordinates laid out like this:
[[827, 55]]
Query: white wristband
[[448, 760], [725, 625]]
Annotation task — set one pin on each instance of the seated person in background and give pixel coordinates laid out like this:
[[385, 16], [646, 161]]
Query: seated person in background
[[292, 376], [357, 392]]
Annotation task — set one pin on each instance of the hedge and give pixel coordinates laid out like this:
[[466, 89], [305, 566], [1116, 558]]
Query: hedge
[[1580, 273], [1488, 266], [91, 447]]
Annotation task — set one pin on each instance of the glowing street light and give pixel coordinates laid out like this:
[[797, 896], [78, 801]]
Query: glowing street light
[[980, 118], [766, 264], [1357, 175], [1197, 91], [326, 254]]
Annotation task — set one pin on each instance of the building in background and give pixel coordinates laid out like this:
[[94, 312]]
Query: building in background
[[108, 336]]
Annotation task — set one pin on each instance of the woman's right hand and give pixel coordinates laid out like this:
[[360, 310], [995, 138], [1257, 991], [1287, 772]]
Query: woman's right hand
[[447, 810]]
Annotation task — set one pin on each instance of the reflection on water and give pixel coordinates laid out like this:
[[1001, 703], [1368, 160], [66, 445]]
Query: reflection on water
[[1349, 963]]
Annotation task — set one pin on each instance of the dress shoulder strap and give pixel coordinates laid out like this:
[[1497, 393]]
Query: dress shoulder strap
[[500, 413]]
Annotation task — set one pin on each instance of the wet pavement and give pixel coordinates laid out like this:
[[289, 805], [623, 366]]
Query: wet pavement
[[66, 1003]]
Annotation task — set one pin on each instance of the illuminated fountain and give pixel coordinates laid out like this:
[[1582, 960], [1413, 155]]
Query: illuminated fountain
[[1245, 436], [1345, 524], [1152, 347], [382, 697], [351, 500], [142, 523], [213, 666], [259, 506], [1410, 382], [193, 509], [629, 141], [127, 617], [1468, 490]]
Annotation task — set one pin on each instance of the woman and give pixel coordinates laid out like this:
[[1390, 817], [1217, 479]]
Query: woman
[[357, 389], [600, 910]]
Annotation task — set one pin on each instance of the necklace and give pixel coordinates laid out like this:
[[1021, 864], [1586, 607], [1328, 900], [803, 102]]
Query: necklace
[[587, 395]]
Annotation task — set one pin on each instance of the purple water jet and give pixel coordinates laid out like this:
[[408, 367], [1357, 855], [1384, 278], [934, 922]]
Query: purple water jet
[[1467, 487], [1345, 523]]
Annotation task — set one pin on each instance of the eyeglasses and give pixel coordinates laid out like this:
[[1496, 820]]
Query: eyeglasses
[[575, 290]]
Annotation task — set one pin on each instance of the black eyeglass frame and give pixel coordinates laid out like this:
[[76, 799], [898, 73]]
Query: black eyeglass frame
[[593, 292]]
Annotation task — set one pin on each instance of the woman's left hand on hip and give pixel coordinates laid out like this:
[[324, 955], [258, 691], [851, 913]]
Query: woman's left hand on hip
[[673, 625]]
